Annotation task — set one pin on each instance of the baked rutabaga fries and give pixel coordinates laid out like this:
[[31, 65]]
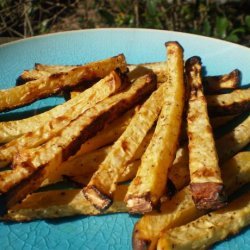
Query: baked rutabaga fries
[[206, 183], [98, 92], [210, 228], [102, 185], [48, 85], [50, 155], [180, 209], [149, 184]]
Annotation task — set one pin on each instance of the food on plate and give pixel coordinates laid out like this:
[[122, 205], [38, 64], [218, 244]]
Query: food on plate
[[180, 209], [102, 185], [69, 140], [222, 82], [148, 186], [236, 140], [210, 228], [48, 85], [229, 104], [62, 203], [205, 178], [101, 90], [120, 144]]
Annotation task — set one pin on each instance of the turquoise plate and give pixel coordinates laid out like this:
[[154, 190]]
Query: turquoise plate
[[77, 47]]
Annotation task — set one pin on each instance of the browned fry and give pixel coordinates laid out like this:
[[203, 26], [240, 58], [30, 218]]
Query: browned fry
[[222, 82], [61, 203], [236, 102], [206, 183], [149, 185], [48, 85]]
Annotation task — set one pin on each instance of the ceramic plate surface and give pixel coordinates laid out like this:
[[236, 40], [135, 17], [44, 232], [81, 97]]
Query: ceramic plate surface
[[78, 47]]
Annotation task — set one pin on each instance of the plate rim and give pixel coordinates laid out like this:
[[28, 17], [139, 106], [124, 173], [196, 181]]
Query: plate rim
[[54, 34]]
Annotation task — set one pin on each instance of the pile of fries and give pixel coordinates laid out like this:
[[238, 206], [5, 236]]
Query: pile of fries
[[132, 138]]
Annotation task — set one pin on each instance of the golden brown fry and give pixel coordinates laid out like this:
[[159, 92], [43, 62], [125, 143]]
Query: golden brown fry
[[210, 228], [51, 84], [180, 209], [104, 88], [222, 82], [102, 185], [236, 102], [61, 203], [206, 183], [149, 184], [69, 141]]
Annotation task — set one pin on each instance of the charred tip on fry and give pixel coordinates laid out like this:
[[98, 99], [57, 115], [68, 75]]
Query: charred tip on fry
[[174, 44], [193, 61], [208, 195], [99, 200]]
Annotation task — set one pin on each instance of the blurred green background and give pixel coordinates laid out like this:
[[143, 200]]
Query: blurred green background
[[228, 20]]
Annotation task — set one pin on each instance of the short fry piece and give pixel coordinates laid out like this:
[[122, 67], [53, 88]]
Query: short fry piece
[[48, 85], [236, 102], [61, 203], [206, 183], [103, 183], [222, 82], [180, 209], [210, 228], [149, 184]]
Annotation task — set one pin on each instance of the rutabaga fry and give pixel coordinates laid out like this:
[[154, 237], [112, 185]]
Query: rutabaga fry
[[48, 85], [210, 228], [102, 185], [206, 183], [222, 82], [149, 184], [104, 88], [180, 209], [68, 142], [236, 102], [61, 203]]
